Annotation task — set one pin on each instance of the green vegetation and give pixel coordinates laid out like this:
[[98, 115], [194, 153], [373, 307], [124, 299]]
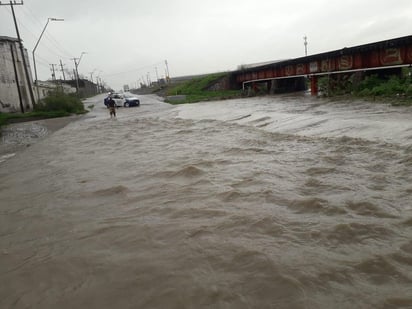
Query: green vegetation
[[394, 88], [55, 105], [197, 90], [59, 102], [6, 118]]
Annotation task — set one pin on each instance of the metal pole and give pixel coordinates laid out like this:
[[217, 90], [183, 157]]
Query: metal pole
[[167, 72], [76, 65], [76, 76], [53, 71], [61, 66], [81, 57], [35, 47], [36, 82]]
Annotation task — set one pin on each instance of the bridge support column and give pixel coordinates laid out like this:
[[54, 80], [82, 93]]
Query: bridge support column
[[314, 85], [273, 86]]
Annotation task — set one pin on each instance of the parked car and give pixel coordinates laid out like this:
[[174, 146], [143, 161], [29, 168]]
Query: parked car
[[117, 98], [123, 100], [130, 101]]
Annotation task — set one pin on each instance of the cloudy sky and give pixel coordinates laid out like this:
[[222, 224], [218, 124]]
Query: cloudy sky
[[128, 41]]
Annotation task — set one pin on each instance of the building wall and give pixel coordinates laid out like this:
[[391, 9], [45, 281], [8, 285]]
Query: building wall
[[86, 88], [9, 95], [47, 88]]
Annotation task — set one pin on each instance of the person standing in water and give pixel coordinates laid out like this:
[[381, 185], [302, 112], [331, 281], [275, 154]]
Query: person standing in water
[[111, 104]]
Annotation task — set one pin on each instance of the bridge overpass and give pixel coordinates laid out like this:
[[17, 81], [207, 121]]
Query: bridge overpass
[[384, 55]]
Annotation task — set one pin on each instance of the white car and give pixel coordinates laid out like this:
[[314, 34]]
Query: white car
[[117, 98], [123, 101]]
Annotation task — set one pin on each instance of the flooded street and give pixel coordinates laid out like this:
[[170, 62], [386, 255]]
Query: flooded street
[[270, 202]]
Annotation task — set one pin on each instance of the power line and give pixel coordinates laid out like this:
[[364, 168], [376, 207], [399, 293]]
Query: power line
[[33, 35], [48, 36], [43, 61], [58, 49], [54, 48]]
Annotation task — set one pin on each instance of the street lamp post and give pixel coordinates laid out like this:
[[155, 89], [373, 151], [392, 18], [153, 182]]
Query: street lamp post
[[35, 47]]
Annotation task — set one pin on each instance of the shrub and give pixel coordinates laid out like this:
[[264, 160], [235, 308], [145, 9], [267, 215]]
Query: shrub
[[56, 105], [369, 82], [409, 91], [62, 103], [374, 86]]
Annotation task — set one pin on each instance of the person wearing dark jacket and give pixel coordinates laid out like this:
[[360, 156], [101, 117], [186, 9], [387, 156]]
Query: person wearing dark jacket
[[111, 104]]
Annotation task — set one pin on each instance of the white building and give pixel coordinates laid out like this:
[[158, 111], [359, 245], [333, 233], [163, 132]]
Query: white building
[[48, 87], [14, 87]]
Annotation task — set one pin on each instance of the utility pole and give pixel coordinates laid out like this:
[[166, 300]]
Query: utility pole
[[62, 70], [26, 71], [101, 83], [305, 42], [76, 72], [53, 71], [167, 72]]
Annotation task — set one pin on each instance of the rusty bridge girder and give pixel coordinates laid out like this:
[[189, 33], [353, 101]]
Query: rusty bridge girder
[[386, 54]]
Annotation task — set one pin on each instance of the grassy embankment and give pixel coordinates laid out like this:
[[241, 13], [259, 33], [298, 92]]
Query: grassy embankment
[[56, 105], [394, 89], [197, 89]]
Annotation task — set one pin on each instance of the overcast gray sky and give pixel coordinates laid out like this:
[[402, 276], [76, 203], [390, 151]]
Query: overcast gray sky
[[127, 40]]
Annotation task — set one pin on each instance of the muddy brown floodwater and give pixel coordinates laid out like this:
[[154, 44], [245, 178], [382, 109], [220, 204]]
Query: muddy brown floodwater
[[273, 202]]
